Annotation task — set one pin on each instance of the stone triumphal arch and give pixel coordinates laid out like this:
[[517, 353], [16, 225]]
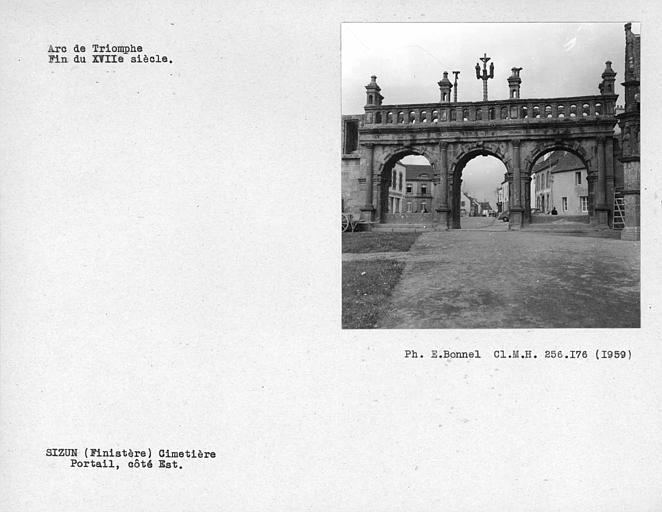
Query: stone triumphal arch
[[450, 133]]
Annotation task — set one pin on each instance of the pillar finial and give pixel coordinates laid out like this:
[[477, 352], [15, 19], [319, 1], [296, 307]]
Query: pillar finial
[[445, 87], [456, 73], [373, 96]]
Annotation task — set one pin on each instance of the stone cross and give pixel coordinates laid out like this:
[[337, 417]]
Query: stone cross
[[485, 76]]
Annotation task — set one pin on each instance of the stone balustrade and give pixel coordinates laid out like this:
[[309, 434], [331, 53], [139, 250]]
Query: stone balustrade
[[527, 110]]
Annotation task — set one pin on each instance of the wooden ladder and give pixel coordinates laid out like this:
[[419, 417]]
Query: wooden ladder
[[619, 211]]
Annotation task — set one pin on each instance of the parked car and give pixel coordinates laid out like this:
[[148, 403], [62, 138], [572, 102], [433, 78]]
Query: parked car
[[503, 216]]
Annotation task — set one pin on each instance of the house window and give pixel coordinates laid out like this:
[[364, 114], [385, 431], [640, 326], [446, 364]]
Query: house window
[[583, 200], [408, 206], [564, 200], [578, 178], [400, 183], [424, 208], [424, 190], [409, 188]]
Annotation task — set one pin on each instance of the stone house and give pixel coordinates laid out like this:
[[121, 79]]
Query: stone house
[[469, 206], [410, 189], [559, 181]]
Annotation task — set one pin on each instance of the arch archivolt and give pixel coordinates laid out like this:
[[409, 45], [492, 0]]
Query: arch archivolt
[[389, 155], [462, 153], [585, 150]]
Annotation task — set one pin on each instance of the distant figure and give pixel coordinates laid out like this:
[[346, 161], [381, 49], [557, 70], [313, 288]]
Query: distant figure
[[554, 212]]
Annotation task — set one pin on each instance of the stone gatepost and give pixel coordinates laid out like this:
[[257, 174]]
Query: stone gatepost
[[629, 122], [601, 208], [440, 199], [367, 164], [631, 199]]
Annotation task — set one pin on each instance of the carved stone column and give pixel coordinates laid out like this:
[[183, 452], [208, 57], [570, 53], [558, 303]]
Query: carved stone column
[[609, 186], [379, 200], [516, 210], [526, 189], [368, 209], [440, 199], [601, 208], [456, 201], [631, 196], [591, 180]]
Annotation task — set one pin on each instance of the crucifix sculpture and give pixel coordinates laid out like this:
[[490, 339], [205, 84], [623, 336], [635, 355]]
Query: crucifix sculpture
[[455, 86], [485, 76]]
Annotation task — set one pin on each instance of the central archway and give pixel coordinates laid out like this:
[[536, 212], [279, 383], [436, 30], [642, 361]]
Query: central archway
[[465, 202]]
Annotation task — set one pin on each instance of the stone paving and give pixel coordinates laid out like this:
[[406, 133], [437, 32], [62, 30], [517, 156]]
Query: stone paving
[[489, 277]]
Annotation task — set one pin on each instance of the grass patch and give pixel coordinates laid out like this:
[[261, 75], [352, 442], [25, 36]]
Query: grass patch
[[366, 287], [362, 242]]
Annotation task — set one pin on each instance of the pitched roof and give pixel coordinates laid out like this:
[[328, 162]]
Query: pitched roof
[[472, 199], [559, 161], [415, 171]]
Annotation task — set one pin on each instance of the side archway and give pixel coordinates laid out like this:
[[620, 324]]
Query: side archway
[[540, 196], [390, 196]]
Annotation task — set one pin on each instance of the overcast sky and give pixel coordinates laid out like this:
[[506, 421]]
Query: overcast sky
[[558, 59]]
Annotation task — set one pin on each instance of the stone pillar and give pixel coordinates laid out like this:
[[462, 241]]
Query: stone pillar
[[368, 209], [379, 199], [591, 180], [440, 199], [601, 208], [456, 203], [609, 190], [526, 187], [629, 122], [516, 210], [631, 199]]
